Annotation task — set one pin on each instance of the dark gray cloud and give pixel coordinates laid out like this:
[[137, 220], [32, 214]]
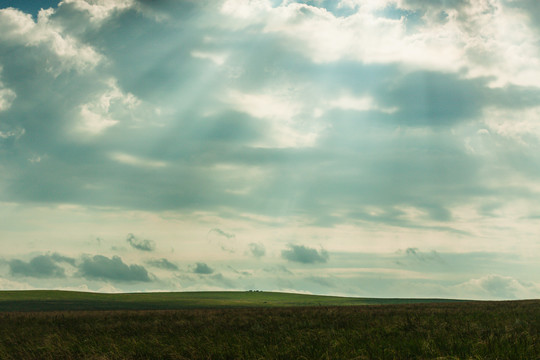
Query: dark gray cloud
[[100, 267], [257, 249], [162, 264], [202, 269], [304, 254], [143, 245], [41, 266]]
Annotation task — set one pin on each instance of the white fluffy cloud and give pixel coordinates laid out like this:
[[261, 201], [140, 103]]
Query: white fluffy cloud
[[6, 97], [479, 38], [97, 115], [61, 51], [100, 10], [521, 125]]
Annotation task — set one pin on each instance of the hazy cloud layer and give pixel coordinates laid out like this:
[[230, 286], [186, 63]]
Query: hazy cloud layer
[[461, 275]]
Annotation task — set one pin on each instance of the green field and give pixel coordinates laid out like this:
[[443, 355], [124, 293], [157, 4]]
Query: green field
[[48, 300], [259, 325]]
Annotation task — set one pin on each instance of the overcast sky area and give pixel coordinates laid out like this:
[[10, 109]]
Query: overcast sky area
[[372, 148]]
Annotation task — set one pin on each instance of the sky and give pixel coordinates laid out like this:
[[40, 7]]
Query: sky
[[370, 148]]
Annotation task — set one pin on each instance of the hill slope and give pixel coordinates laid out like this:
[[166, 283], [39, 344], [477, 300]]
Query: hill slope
[[54, 300]]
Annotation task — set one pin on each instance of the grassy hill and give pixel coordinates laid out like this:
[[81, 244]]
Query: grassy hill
[[53, 300]]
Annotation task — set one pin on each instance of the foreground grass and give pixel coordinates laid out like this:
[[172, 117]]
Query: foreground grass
[[476, 330], [51, 300]]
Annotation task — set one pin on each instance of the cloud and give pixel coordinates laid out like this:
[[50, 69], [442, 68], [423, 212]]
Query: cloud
[[416, 254], [61, 258], [278, 269], [257, 249], [325, 281], [287, 125], [439, 99], [6, 284], [61, 51], [241, 273], [496, 286], [226, 242], [14, 134], [132, 160], [222, 233], [99, 11], [42, 266], [143, 245], [103, 268], [304, 254], [202, 269], [95, 116], [162, 264], [7, 96]]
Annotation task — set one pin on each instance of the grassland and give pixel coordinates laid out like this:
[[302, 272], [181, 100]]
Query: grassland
[[432, 330], [48, 300]]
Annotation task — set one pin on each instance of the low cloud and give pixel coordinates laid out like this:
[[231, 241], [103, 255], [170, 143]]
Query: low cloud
[[103, 268], [304, 254], [243, 273], [143, 245], [163, 264], [61, 258], [224, 239], [42, 266], [416, 254], [202, 269], [222, 233], [257, 250], [495, 286]]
